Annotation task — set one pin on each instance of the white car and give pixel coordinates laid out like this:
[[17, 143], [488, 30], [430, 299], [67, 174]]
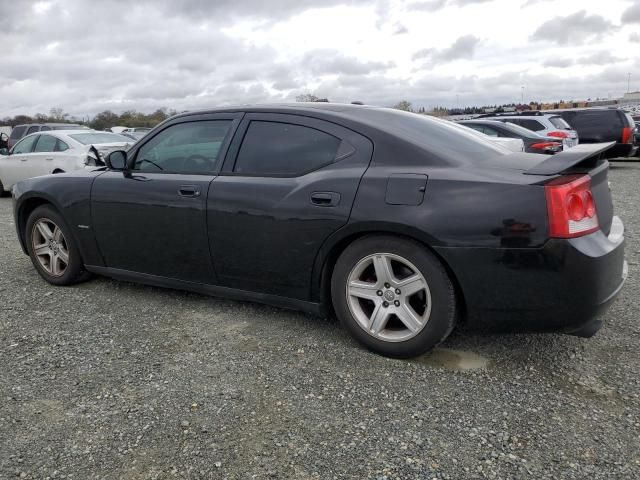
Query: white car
[[57, 151], [511, 144]]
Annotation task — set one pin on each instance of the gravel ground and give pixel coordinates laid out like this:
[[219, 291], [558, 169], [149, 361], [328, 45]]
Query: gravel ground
[[114, 380]]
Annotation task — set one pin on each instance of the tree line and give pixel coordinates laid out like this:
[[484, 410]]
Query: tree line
[[102, 120]]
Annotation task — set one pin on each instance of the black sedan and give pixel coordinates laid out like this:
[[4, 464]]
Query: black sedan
[[401, 224], [533, 142]]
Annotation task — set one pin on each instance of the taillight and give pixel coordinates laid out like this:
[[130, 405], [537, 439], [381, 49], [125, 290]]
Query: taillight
[[570, 206], [558, 134], [554, 146], [627, 135]]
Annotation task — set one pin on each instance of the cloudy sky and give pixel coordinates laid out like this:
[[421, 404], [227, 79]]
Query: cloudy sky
[[86, 56]]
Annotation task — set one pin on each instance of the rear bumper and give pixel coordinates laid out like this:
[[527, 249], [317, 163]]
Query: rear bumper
[[622, 150], [564, 286]]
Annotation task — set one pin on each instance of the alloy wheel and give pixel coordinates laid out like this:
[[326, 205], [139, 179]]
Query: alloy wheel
[[388, 297], [50, 247]]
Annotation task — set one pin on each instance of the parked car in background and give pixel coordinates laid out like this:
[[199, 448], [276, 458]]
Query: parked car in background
[[533, 143], [511, 144], [401, 224], [135, 133], [56, 151], [597, 125], [20, 131], [545, 124]]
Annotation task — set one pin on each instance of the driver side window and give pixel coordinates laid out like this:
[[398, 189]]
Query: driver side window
[[191, 147]]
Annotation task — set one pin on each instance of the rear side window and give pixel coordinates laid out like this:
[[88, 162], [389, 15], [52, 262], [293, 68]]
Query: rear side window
[[46, 143], [17, 132], [45, 128], [533, 125], [25, 145], [284, 149], [33, 129], [559, 122], [60, 146]]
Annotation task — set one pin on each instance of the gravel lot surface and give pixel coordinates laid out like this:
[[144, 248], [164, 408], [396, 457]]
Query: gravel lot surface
[[114, 380]]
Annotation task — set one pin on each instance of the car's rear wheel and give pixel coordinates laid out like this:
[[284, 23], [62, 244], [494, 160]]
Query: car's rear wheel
[[52, 248], [393, 296]]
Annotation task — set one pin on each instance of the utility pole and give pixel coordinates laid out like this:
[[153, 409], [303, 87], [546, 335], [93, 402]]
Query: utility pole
[[522, 95], [628, 82]]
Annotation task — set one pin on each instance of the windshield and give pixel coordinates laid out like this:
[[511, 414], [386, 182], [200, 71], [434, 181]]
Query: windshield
[[559, 122], [441, 137], [94, 138]]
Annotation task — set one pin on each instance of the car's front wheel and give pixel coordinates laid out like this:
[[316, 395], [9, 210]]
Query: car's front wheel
[[52, 248], [393, 296]]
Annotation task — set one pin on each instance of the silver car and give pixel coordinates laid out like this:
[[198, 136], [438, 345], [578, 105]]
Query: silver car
[[545, 124]]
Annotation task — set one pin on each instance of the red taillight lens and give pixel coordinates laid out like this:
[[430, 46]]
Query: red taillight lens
[[627, 135], [558, 134], [546, 146], [570, 206]]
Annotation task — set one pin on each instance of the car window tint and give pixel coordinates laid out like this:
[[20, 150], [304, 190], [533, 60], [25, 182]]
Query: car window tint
[[60, 146], [17, 132], [273, 148], [46, 143], [532, 125], [25, 145], [33, 129], [192, 147], [559, 122], [490, 131]]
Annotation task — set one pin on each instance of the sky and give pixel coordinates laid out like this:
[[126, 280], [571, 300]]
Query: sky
[[87, 56]]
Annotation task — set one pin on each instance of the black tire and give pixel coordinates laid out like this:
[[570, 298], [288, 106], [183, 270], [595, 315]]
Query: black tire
[[442, 316], [74, 272], [2, 192]]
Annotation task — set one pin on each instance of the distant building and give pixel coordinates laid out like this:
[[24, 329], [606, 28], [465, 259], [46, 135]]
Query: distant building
[[631, 98]]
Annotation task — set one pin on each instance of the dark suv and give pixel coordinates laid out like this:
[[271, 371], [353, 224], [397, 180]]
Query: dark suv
[[20, 131], [597, 125]]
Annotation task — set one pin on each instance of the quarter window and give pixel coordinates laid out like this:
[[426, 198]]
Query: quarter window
[[60, 146], [531, 125], [25, 145], [192, 147], [284, 149], [46, 143]]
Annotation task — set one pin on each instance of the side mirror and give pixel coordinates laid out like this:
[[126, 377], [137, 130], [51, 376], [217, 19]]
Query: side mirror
[[4, 151], [117, 160]]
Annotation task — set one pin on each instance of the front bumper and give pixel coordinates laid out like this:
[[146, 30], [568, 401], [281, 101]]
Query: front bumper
[[564, 286]]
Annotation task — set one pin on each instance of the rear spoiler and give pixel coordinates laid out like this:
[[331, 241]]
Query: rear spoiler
[[571, 157]]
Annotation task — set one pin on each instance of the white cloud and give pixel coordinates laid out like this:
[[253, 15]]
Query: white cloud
[[187, 54]]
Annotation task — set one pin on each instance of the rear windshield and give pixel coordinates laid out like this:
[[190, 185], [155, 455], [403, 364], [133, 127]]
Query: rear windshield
[[559, 122], [99, 137], [17, 132], [440, 137]]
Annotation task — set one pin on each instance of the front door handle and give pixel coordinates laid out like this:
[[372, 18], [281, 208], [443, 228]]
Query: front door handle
[[325, 199], [23, 159], [49, 159], [189, 191]]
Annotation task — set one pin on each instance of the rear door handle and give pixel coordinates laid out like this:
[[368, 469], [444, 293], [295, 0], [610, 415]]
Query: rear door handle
[[189, 191], [23, 159], [49, 158], [325, 199]]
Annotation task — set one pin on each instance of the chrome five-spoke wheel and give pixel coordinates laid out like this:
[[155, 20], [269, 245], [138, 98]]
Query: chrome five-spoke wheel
[[388, 297], [50, 247]]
